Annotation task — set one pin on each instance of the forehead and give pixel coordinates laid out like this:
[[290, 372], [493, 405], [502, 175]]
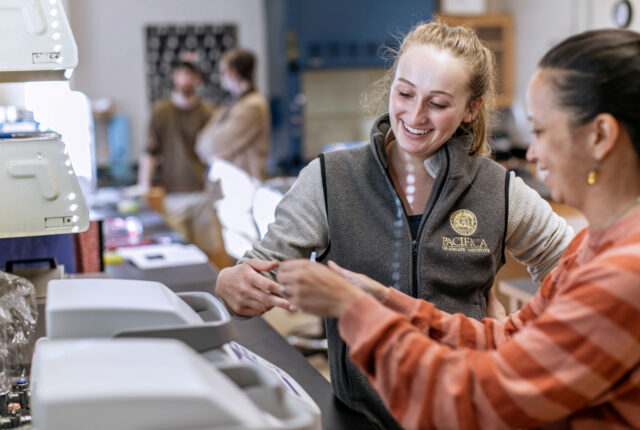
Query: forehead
[[433, 69], [540, 97]]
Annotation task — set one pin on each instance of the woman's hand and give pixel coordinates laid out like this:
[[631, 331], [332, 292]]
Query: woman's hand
[[246, 291], [316, 289], [365, 283]]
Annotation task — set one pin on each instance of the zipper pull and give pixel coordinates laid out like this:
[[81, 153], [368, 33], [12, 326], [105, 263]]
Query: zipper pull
[[414, 244]]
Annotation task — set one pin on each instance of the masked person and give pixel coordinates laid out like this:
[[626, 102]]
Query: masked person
[[175, 123], [239, 132]]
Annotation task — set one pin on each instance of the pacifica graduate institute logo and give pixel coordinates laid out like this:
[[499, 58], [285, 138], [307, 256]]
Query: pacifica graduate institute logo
[[465, 223]]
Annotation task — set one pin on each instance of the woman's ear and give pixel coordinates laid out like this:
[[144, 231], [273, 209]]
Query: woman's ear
[[606, 130], [473, 109]]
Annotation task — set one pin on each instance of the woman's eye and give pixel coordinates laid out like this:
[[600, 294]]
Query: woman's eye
[[438, 105], [403, 94]]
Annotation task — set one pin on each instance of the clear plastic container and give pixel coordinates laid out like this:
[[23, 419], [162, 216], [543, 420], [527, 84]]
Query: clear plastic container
[[18, 317]]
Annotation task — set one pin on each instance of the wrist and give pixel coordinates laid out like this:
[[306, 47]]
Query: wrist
[[353, 295]]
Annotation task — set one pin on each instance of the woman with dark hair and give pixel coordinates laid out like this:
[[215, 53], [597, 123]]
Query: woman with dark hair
[[571, 357], [240, 131]]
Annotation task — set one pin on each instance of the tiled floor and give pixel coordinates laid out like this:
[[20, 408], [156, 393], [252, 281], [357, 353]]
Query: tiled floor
[[284, 322]]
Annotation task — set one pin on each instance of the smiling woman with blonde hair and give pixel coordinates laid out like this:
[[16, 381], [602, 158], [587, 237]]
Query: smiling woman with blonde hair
[[571, 357], [420, 208]]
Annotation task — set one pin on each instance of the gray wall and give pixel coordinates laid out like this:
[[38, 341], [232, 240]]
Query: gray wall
[[538, 25], [110, 38]]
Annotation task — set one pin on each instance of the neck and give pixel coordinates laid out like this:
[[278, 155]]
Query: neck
[[402, 161], [615, 195], [614, 213], [410, 178]]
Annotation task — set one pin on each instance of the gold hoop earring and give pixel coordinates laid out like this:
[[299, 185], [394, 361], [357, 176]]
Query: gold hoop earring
[[592, 177]]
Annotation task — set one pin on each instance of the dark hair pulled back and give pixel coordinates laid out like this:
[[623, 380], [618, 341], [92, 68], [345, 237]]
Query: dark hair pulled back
[[598, 72]]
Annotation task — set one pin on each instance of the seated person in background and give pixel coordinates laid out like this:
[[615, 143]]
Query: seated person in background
[[240, 131], [175, 122], [421, 208], [571, 357]]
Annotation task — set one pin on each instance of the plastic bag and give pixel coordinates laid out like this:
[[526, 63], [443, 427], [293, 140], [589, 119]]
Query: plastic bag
[[18, 317]]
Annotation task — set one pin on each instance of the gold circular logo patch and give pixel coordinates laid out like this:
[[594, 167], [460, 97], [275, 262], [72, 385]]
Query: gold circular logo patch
[[463, 222]]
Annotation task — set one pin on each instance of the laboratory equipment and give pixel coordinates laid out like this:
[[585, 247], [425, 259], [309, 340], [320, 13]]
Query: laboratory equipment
[[80, 311], [40, 193], [37, 43]]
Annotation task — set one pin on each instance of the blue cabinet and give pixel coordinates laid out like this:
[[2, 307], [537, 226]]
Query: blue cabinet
[[312, 34], [349, 33]]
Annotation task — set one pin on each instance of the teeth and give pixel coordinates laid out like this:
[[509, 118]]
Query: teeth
[[542, 174], [414, 130]]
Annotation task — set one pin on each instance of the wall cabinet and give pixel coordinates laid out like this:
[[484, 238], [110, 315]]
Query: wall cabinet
[[497, 32]]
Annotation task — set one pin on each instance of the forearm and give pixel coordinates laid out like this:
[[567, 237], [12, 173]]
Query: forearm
[[424, 384], [564, 359], [146, 167], [300, 225], [454, 330]]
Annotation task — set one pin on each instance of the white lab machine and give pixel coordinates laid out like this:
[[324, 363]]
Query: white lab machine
[[37, 43], [40, 193], [87, 321]]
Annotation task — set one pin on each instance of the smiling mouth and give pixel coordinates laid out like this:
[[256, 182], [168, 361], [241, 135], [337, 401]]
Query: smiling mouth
[[543, 174], [414, 130]]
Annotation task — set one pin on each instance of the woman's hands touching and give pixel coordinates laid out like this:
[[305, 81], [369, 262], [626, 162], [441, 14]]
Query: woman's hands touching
[[314, 288], [324, 291]]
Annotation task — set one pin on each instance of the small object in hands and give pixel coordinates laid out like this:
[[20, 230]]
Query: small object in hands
[[312, 258]]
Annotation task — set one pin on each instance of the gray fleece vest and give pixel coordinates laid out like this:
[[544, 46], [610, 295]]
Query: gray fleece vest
[[452, 263]]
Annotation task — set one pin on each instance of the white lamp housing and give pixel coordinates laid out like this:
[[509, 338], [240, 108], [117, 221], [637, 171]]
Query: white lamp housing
[[36, 41], [39, 190]]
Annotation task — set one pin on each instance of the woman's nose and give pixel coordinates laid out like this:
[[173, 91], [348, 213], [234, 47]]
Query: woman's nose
[[418, 114], [532, 152]]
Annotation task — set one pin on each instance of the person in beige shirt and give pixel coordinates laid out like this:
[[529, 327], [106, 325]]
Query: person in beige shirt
[[238, 132]]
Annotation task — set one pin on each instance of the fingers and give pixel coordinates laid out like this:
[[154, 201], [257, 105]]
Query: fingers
[[339, 269], [250, 307], [292, 265], [247, 292], [262, 265]]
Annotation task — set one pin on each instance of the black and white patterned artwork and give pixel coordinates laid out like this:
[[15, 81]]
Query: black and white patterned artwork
[[168, 45]]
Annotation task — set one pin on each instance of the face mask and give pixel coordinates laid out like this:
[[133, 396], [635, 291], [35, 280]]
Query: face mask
[[230, 84], [183, 102]]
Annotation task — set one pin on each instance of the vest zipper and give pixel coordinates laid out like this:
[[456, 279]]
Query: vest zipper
[[414, 268]]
